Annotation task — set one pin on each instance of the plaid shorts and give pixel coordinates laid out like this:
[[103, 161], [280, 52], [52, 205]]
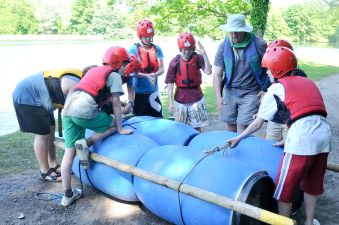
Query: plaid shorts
[[194, 114]]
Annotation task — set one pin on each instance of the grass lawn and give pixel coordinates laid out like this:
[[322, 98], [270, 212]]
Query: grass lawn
[[17, 154]]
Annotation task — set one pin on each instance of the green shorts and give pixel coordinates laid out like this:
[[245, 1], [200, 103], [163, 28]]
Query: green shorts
[[74, 127]]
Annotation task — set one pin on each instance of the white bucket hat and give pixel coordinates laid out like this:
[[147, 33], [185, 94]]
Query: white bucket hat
[[236, 23]]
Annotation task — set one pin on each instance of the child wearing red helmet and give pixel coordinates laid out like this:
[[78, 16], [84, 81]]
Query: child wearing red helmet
[[299, 103], [82, 111], [145, 84], [188, 102]]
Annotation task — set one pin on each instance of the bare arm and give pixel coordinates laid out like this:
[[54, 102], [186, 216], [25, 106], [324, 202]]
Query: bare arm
[[253, 127], [170, 88], [68, 86], [131, 95], [217, 82], [208, 67], [117, 115]]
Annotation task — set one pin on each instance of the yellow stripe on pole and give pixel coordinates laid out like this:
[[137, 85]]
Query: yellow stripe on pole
[[272, 218]]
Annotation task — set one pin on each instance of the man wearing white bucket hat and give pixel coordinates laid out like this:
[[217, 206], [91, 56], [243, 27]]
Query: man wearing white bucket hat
[[239, 58]]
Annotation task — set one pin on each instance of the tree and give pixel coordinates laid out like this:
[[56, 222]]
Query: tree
[[276, 27], [300, 22], [109, 23], [259, 14], [82, 14], [202, 17], [17, 17]]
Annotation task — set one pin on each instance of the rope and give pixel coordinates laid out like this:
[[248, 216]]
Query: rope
[[47, 196], [182, 182], [227, 150], [130, 124]]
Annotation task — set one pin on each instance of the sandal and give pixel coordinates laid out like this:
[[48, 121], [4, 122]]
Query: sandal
[[55, 170], [48, 177]]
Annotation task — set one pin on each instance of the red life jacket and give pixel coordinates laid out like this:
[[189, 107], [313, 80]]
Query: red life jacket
[[187, 73], [302, 98], [148, 59], [94, 83]]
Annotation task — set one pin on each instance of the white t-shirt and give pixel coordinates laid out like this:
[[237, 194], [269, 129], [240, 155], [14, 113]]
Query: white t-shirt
[[310, 135], [82, 105]]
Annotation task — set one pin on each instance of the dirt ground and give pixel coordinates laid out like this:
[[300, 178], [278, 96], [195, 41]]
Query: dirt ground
[[18, 204]]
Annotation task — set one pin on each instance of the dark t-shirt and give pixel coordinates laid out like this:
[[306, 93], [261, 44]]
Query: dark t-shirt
[[243, 81], [184, 95]]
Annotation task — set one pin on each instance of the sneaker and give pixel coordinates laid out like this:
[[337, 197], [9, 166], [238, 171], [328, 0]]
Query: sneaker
[[316, 222], [82, 152], [65, 201]]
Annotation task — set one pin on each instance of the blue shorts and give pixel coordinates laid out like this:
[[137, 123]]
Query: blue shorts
[[239, 110]]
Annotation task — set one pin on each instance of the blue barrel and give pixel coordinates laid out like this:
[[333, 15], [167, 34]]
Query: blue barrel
[[162, 131], [255, 152], [223, 176], [124, 148]]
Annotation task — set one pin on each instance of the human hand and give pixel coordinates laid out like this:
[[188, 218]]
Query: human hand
[[260, 95], [279, 143], [151, 78], [170, 107], [201, 49], [124, 131], [127, 109], [220, 104], [233, 142]]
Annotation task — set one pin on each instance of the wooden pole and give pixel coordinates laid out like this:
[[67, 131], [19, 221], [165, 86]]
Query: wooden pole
[[241, 207], [330, 165], [333, 166]]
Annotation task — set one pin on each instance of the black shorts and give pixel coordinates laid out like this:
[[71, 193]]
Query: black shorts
[[142, 106], [34, 119]]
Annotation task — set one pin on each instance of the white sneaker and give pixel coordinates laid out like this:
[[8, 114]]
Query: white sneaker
[[82, 152], [316, 222], [65, 201]]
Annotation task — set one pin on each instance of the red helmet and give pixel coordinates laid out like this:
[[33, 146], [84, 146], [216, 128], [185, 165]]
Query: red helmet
[[145, 29], [280, 43], [279, 61], [133, 67], [115, 56], [186, 40]]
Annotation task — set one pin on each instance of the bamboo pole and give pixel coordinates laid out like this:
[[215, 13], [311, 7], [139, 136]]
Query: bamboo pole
[[241, 207], [330, 165]]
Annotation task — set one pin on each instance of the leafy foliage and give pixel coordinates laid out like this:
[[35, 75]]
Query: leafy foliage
[[109, 23], [82, 14], [276, 27], [117, 19], [201, 17], [259, 15], [17, 17]]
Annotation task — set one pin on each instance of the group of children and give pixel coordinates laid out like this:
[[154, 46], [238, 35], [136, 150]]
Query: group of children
[[306, 148], [104, 83]]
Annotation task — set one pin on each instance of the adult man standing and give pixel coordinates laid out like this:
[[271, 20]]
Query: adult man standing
[[35, 98], [239, 57]]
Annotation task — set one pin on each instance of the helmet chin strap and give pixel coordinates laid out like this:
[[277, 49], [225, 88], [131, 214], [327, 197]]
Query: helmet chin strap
[[145, 43]]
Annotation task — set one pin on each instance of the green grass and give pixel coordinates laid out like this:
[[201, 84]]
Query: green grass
[[17, 154], [316, 71]]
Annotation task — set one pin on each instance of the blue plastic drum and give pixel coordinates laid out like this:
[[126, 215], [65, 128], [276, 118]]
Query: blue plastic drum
[[162, 131], [124, 148], [223, 176], [252, 151]]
